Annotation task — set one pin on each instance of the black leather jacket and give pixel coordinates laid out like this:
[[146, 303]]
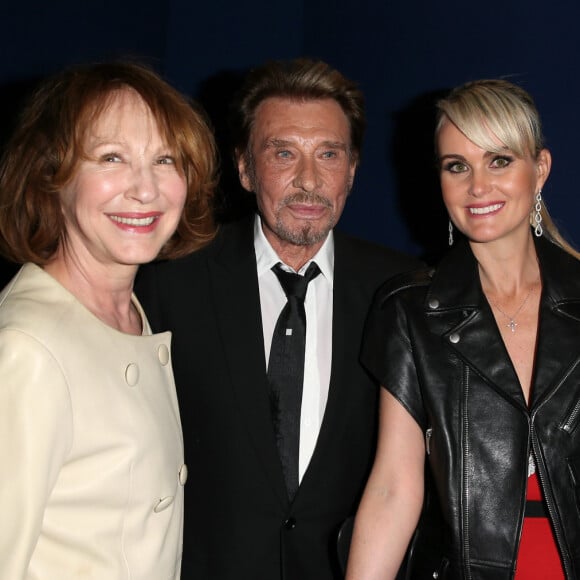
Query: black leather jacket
[[433, 342]]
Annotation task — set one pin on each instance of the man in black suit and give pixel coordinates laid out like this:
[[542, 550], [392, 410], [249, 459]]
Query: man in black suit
[[298, 144]]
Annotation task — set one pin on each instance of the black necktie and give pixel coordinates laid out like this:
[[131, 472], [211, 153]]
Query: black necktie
[[286, 370]]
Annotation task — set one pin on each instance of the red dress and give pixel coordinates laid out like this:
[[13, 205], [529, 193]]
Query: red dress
[[538, 557]]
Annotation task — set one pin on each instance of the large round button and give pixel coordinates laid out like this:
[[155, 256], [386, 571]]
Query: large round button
[[183, 474], [163, 354], [132, 374], [290, 524], [454, 338], [433, 303]]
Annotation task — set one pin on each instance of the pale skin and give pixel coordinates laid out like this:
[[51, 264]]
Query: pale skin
[[301, 168], [121, 206], [474, 180], [489, 197]]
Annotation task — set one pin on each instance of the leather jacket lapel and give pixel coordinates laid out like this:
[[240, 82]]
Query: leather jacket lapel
[[559, 326], [458, 311], [556, 353]]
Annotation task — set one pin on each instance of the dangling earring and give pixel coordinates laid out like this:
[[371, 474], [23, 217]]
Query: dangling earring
[[538, 215], [450, 233]]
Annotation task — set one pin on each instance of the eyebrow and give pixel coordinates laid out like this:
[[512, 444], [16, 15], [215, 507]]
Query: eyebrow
[[271, 143], [104, 142], [485, 155], [451, 156], [116, 143]]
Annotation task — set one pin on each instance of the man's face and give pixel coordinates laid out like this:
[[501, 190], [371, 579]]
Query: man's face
[[301, 169]]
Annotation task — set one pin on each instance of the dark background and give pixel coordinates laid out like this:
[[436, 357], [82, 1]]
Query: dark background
[[403, 55]]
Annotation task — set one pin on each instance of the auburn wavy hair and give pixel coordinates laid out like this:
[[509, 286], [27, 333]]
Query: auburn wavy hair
[[48, 144]]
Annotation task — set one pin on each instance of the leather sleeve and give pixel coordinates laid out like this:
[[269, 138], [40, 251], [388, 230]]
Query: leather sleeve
[[388, 353]]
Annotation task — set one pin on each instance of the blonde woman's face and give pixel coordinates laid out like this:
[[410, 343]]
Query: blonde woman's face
[[489, 196]]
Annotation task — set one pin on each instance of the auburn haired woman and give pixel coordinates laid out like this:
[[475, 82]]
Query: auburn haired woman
[[109, 168]]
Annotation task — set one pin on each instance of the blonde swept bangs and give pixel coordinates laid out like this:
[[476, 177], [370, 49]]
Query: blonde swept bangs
[[494, 114]]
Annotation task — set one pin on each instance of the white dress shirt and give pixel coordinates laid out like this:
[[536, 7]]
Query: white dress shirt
[[318, 355]]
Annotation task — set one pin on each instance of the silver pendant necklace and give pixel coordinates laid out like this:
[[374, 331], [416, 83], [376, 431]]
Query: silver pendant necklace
[[512, 324]]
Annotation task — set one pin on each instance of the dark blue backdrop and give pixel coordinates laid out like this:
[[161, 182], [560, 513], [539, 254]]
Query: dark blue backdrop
[[403, 54]]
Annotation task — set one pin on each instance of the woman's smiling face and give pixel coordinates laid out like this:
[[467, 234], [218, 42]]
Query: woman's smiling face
[[126, 197], [488, 195]]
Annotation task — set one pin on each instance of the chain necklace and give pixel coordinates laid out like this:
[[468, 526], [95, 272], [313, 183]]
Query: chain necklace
[[512, 324]]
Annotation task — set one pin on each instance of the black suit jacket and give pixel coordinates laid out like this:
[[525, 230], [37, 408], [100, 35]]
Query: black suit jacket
[[239, 523]]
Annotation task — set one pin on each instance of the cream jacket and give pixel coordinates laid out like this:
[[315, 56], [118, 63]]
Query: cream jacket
[[91, 448]]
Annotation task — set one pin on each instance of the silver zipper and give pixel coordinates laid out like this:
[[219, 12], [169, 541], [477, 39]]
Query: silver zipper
[[428, 434], [465, 516], [549, 502], [569, 423]]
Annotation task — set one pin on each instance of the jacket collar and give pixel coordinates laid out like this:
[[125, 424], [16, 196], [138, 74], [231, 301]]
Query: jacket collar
[[458, 311], [456, 284], [560, 278]]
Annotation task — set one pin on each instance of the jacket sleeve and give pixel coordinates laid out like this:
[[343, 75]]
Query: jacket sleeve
[[35, 437], [388, 353]]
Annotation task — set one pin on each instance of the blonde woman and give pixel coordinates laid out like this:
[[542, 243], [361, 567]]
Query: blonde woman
[[480, 366]]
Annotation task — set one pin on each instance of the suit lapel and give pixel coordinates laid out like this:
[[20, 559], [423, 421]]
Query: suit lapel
[[348, 299], [235, 288]]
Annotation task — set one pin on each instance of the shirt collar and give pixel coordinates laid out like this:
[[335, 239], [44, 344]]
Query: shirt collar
[[266, 257]]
